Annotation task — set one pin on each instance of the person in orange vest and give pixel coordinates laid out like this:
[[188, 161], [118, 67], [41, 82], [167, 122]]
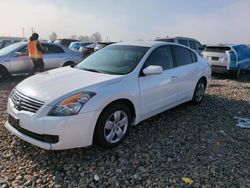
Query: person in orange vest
[[35, 53]]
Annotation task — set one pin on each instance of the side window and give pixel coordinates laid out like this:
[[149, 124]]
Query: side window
[[24, 50], [52, 49], [199, 46], [161, 57], [182, 56], [194, 57], [183, 42], [192, 44]]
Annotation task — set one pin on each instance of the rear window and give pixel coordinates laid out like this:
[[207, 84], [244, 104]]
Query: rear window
[[218, 49]]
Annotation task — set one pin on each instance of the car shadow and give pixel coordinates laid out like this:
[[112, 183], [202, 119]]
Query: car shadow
[[244, 77]]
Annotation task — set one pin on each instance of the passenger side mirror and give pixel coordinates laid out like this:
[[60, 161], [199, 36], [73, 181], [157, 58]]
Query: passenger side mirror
[[153, 69]]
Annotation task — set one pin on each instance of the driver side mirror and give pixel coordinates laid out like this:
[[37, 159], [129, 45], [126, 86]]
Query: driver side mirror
[[17, 54], [152, 70]]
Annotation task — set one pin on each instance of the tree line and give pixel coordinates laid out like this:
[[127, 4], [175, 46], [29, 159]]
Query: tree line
[[94, 37]]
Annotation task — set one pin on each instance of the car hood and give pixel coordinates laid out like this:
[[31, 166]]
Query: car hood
[[51, 85]]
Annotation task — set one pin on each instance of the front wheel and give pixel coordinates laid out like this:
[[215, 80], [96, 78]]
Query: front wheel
[[4, 74], [199, 92], [113, 126]]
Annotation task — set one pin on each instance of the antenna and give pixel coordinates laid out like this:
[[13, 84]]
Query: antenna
[[23, 33]]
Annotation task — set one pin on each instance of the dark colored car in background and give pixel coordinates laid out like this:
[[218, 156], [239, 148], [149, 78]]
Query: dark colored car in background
[[64, 42], [5, 43], [87, 50], [101, 45]]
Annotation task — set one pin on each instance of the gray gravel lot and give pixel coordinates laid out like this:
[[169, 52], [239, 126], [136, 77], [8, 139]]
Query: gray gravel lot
[[200, 142]]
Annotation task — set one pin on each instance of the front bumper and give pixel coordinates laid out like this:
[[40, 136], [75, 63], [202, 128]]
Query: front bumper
[[72, 131]]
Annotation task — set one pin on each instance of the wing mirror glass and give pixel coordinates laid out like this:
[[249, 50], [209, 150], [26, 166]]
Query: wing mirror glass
[[18, 54], [153, 69]]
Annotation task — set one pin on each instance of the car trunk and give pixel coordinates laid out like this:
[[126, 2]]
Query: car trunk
[[216, 55]]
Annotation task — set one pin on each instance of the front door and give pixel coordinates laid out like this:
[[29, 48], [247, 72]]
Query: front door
[[158, 91], [20, 62]]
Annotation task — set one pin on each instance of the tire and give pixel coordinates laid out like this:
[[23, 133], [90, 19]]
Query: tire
[[113, 126], [199, 92], [4, 74], [237, 73]]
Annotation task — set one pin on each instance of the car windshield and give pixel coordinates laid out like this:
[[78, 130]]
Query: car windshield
[[117, 59], [10, 48]]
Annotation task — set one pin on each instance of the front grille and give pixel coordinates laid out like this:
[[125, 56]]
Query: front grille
[[25, 103]]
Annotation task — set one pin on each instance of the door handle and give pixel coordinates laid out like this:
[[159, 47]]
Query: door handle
[[174, 78]]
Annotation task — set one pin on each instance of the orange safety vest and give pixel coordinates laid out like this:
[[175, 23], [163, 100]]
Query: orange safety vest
[[33, 51]]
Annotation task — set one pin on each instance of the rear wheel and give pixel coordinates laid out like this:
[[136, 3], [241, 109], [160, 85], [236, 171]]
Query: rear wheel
[[4, 74], [237, 74], [199, 92], [113, 126]]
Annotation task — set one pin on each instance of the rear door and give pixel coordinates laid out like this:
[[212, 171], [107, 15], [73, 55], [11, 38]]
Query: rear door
[[186, 70], [53, 56], [158, 91]]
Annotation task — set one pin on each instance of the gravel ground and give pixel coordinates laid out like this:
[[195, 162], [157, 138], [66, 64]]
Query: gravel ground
[[199, 142]]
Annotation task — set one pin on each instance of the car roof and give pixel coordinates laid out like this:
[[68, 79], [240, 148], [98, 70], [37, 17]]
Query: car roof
[[142, 43], [224, 45], [178, 37]]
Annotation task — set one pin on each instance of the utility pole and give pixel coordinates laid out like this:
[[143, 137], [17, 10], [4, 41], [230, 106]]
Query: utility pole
[[23, 33], [32, 30]]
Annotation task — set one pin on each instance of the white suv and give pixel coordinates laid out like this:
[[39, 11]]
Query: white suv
[[99, 99], [189, 42]]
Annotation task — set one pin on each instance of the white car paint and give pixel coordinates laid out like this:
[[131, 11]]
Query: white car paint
[[149, 95]]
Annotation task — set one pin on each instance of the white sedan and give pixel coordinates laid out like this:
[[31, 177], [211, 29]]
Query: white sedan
[[98, 100]]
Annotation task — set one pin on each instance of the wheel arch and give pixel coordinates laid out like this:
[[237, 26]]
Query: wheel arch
[[204, 79], [124, 101], [68, 63], [5, 68]]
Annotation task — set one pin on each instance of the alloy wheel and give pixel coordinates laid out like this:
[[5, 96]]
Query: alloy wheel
[[116, 127]]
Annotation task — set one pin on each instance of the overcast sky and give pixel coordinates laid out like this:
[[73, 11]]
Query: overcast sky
[[210, 21]]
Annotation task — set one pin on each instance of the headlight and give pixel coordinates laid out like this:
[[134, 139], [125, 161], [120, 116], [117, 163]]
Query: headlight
[[71, 105]]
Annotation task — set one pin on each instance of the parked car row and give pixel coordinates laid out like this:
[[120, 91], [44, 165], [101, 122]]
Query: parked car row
[[14, 59], [228, 58], [98, 100], [4, 43], [222, 58]]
